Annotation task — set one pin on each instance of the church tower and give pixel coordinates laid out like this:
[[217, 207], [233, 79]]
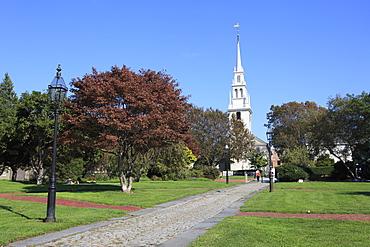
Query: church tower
[[239, 97]]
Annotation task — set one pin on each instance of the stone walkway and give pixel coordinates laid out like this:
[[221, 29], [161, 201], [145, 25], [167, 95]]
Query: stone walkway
[[177, 223]]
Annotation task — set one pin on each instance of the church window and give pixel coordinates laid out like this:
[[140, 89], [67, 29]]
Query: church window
[[238, 78], [236, 93], [241, 93], [238, 115]]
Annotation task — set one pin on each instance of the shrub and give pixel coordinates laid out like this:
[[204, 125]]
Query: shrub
[[202, 179], [210, 171], [325, 160], [100, 177], [196, 173], [290, 173], [341, 172], [320, 173]]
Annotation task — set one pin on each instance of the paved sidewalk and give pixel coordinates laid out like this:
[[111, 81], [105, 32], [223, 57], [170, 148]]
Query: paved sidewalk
[[176, 223]]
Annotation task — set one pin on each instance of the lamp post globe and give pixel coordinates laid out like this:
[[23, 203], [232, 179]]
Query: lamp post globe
[[57, 91]]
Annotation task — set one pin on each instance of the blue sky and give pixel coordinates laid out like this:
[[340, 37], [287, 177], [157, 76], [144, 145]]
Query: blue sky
[[291, 50]]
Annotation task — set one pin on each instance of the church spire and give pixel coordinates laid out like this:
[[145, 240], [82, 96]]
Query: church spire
[[240, 99], [238, 67]]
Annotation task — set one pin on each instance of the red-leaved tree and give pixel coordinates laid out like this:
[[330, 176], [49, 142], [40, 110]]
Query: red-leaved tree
[[126, 113]]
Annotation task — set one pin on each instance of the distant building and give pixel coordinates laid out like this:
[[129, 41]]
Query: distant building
[[240, 106]]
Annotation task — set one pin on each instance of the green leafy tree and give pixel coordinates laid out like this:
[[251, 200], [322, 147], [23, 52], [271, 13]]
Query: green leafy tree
[[257, 159], [8, 120], [35, 128], [126, 113], [292, 124], [171, 162], [299, 156], [210, 129], [345, 130], [324, 160]]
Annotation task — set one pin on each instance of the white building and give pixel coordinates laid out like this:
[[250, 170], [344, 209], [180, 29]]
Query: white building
[[240, 105]]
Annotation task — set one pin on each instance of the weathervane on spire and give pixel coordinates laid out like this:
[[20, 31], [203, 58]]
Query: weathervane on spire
[[237, 31]]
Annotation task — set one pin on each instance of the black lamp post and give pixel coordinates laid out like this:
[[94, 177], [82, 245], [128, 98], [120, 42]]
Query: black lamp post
[[57, 92], [227, 162], [271, 175]]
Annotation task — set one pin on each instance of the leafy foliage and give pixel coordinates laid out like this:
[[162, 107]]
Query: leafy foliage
[[345, 130], [126, 113], [200, 171], [257, 159], [213, 130], [292, 123], [320, 173], [8, 120], [324, 160], [171, 162], [289, 172], [210, 129], [299, 156], [36, 127]]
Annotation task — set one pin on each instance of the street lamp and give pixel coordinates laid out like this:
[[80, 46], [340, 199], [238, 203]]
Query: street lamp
[[57, 91], [269, 145], [227, 162]]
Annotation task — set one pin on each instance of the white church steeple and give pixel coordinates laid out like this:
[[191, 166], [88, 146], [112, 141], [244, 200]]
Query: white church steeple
[[238, 67], [240, 99]]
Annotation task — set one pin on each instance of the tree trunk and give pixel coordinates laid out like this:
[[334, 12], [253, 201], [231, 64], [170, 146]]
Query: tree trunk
[[40, 178], [138, 174], [126, 184], [14, 174], [344, 163]]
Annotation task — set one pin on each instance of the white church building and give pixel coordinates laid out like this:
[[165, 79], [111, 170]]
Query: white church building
[[240, 106]]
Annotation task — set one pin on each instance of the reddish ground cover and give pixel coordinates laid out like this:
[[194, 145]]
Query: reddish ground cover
[[65, 202], [76, 203], [303, 189], [362, 217]]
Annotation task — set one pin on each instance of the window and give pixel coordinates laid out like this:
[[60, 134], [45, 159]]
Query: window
[[236, 93], [241, 93], [238, 78], [238, 115]]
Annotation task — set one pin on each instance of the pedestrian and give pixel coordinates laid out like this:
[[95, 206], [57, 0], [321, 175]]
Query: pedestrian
[[258, 175], [69, 181]]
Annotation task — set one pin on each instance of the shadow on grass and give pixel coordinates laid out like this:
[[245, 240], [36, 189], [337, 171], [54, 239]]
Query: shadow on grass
[[22, 215], [362, 193], [72, 188]]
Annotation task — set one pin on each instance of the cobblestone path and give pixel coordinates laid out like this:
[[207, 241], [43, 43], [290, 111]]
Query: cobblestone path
[[152, 227]]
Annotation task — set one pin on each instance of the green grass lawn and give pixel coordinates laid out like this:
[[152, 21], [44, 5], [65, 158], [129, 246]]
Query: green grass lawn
[[20, 220], [256, 231], [318, 197]]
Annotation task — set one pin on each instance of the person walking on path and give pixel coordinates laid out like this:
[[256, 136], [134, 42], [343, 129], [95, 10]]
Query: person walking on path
[[258, 175]]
